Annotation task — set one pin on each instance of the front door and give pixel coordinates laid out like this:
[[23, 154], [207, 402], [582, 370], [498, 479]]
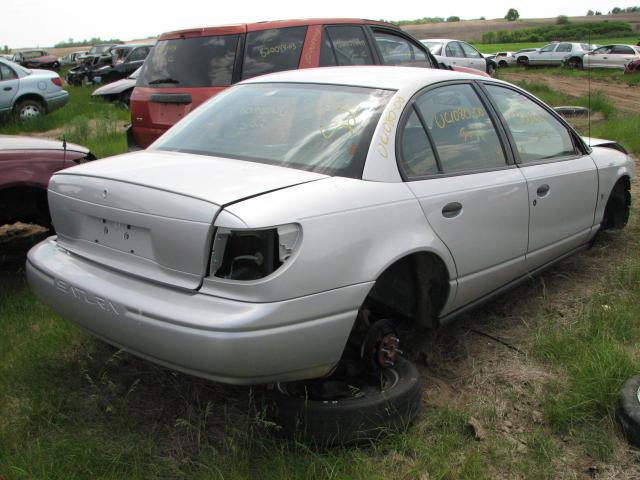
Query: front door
[[455, 55], [454, 162], [562, 180]]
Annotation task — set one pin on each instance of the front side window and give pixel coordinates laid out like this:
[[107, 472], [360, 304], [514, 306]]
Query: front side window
[[548, 48], [314, 127], [138, 54], [602, 50], [462, 131], [564, 47], [538, 135], [469, 51], [454, 50], [350, 45], [273, 50], [6, 73], [190, 62], [396, 50]]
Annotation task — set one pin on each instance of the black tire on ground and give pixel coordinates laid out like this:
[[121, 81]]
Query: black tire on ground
[[616, 212], [27, 109], [629, 410], [328, 423], [491, 68], [574, 62], [503, 64]]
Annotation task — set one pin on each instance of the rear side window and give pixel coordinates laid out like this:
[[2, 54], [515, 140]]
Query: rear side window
[[623, 49], [273, 50], [417, 159], [190, 62], [538, 135], [462, 131], [564, 47], [454, 50], [349, 45], [396, 50], [7, 73]]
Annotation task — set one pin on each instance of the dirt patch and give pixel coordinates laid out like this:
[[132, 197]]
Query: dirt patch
[[626, 98]]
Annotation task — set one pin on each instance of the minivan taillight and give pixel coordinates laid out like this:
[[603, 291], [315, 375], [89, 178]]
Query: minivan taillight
[[57, 81]]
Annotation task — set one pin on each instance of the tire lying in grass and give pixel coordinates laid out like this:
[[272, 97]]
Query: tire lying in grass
[[369, 411], [629, 410]]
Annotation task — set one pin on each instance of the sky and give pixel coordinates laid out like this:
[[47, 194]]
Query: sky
[[42, 23]]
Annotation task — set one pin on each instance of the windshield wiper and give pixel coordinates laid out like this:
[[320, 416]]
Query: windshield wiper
[[163, 80]]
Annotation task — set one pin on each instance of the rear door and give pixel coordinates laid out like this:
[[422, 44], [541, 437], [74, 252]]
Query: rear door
[[562, 178], [9, 84], [562, 50], [474, 58], [544, 55], [452, 155], [455, 55]]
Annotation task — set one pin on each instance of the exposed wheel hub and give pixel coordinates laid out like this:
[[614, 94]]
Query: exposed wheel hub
[[387, 350]]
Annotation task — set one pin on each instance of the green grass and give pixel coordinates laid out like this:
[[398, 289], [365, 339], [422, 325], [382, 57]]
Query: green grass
[[513, 47], [84, 120], [597, 74]]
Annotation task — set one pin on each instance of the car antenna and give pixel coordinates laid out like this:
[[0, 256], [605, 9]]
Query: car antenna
[[589, 93], [64, 149]]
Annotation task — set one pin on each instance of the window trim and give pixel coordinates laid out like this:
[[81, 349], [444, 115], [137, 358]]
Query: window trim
[[410, 107], [576, 139], [472, 47]]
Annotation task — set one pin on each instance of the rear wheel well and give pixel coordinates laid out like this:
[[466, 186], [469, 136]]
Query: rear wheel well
[[31, 96], [413, 288], [26, 204], [616, 212]]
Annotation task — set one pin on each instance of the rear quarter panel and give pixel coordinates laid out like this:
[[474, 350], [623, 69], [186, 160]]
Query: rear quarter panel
[[32, 167]]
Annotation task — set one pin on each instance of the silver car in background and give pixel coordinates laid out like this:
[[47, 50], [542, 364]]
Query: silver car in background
[[611, 56], [553, 54], [458, 53], [245, 244], [28, 93]]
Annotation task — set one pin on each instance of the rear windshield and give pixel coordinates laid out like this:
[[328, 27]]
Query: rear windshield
[[434, 47], [314, 127], [190, 62]]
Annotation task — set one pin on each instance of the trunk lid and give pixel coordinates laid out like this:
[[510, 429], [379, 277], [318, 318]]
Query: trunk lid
[[151, 213]]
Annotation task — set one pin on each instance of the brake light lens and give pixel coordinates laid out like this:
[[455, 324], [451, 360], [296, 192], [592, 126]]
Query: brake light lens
[[57, 81]]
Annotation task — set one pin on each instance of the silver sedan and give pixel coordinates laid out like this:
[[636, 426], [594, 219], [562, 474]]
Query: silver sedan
[[283, 219], [28, 93], [611, 56]]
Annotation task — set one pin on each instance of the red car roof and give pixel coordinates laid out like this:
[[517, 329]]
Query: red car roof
[[252, 27]]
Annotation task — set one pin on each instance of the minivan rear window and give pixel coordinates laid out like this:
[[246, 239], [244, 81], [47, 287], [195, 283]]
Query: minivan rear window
[[190, 62]]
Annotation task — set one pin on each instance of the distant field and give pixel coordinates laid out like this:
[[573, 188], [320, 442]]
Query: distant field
[[472, 30], [512, 47]]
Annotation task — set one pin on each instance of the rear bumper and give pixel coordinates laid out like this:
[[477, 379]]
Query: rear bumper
[[58, 100], [220, 339], [132, 146]]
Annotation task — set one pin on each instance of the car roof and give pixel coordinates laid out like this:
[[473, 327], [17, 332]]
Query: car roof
[[442, 40], [251, 27], [392, 78]]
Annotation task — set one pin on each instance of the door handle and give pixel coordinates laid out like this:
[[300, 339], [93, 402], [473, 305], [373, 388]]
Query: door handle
[[6, 89], [543, 190], [451, 210]]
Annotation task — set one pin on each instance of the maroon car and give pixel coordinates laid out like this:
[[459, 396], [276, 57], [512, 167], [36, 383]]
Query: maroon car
[[632, 68], [36, 59], [26, 164]]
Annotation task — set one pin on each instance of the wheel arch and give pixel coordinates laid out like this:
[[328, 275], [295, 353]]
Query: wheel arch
[[31, 96], [24, 202]]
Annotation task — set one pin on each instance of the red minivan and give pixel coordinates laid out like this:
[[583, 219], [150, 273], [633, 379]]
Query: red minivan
[[187, 67]]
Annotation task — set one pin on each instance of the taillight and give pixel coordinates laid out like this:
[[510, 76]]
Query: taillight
[[57, 81], [252, 254]]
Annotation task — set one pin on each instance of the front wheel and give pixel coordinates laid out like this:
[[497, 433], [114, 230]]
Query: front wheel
[[337, 410]]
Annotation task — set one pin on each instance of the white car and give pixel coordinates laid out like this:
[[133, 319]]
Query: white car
[[611, 56], [553, 54], [459, 54], [505, 59], [287, 227]]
